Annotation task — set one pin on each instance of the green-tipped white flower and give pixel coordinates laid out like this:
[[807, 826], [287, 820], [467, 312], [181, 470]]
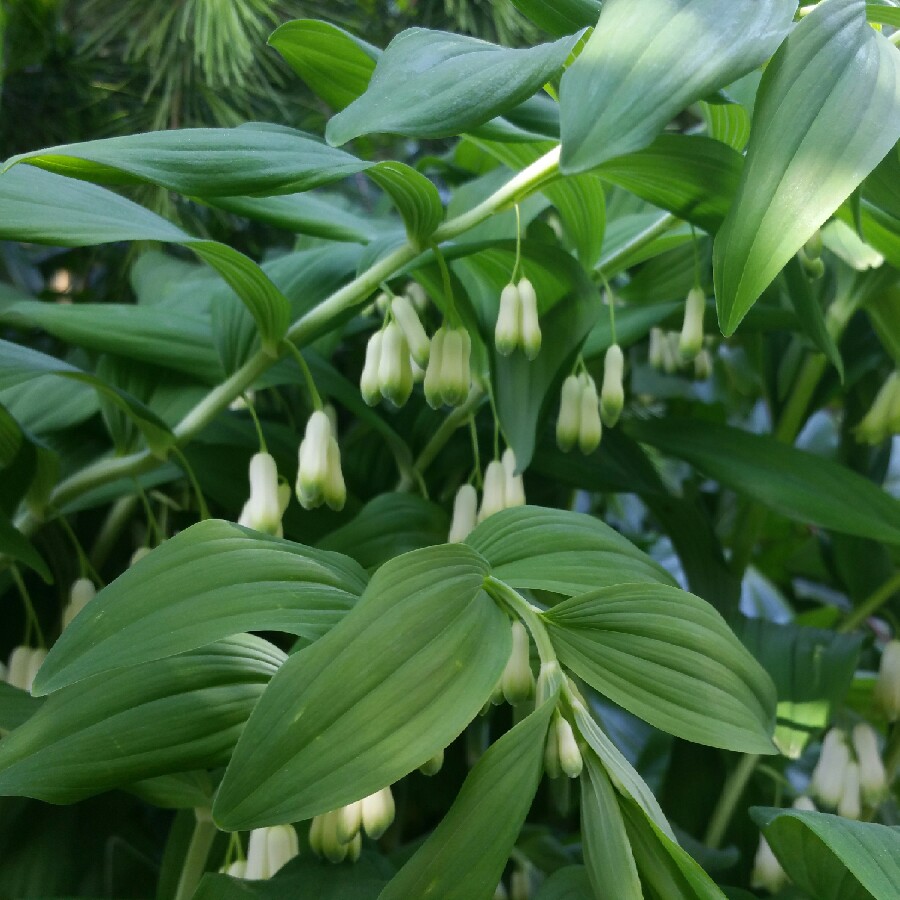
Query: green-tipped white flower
[[887, 685], [493, 499], [767, 873], [690, 341], [335, 491], [590, 429], [141, 552], [568, 423], [411, 326], [531, 326], [319, 476], [378, 812], [23, 666], [417, 295], [268, 850], [570, 760], [238, 869], [804, 803], [872, 776], [671, 358], [612, 394], [80, 594], [465, 514], [434, 765], [517, 680], [655, 348], [829, 774], [849, 804], [883, 418], [508, 330], [395, 379], [551, 750], [332, 847], [433, 383], [349, 821], [262, 512], [703, 365], [514, 488], [456, 377], [369, 384]]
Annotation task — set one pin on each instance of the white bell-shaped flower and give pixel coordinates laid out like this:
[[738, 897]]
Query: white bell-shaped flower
[[690, 341], [268, 850], [612, 393], [313, 460], [849, 804], [872, 776], [531, 326], [828, 776], [378, 812], [590, 429], [80, 594], [395, 379], [23, 665], [411, 326], [514, 488], [517, 680], [508, 330], [767, 873], [493, 498], [465, 514], [568, 423], [262, 511], [887, 684]]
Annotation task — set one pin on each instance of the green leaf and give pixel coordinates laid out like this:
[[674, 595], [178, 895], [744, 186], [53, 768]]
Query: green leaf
[[167, 716], [387, 526], [16, 707], [431, 84], [15, 545], [180, 790], [210, 581], [46, 208], [464, 857], [669, 658], [883, 14], [607, 853], [832, 92], [560, 16], [395, 682], [334, 64], [568, 883], [613, 99], [21, 364], [560, 551], [831, 857], [796, 484]]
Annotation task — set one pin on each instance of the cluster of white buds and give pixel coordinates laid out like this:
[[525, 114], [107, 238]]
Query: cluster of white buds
[[80, 594], [448, 377], [665, 355], [887, 685], [268, 850], [268, 498], [516, 684], [883, 418], [844, 781], [517, 320], [503, 488], [579, 415], [23, 665], [612, 393], [767, 873], [336, 835], [319, 476], [561, 753]]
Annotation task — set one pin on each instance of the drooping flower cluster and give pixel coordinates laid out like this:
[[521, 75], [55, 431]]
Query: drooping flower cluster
[[268, 851], [336, 835], [503, 489], [844, 780], [518, 324], [319, 476], [579, 415], [664, 354], [448, 377]]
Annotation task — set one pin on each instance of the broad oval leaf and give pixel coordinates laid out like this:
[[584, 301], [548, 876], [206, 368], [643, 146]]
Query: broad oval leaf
[[395, 682], [827, 112], [432, 84], [796, 484], [831, 857], [464, 857], [614, 98], [560, 551], [560, 16], [167, 716], [669, 658], [212, 580]]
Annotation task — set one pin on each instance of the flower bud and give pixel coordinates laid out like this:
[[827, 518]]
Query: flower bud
[[703, 365], [551, 750], [465, 511], [590, 428], [141, 552], [268, 850], [313, 469], [368, 380], [394, 371], [408, 320], [349, 821], [519, 884], [335, 491], [508, 330], [262, 512], [612, 394], [417, 296], [531, 327], [814, 246], [514, 488], [570, 760], [354, 848], [569, 419], [849, 805], [500, 892], [434, 765], [433, 371], [828, 776], [377, 813], [456, 378], [238, 869], [887, 685], [872, 777], [517, 680], [382, 303], [883, 418], [671, 360], [494, 497], [655, 348], [549, 682], [804, 804], [418, 373], [767, 873], [80, 594], [333, 849], [691, 340], [23, 666], [813, 266]]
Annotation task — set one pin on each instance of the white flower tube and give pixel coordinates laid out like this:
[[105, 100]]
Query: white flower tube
[[433, 383], [455, 376], [508, 330], [612, 394], [872, 776], [433, 765], [141, 552], [80, 594], [828, 776], [883, 418], [268, 850], [417, 295], [313, 458], [395, 379], [570, 761], [335, 491], [378, 812], [690, 341], [368, 380], [655, 348], [531, 326], [409, 322], [887, 685], [465, 514], [514, 488], [849, 804], [568, 423], [262, 512], [494, 497], [23, 666], [590, 427], [767, 873], [349, 821], [238, 869], [517, 680]]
